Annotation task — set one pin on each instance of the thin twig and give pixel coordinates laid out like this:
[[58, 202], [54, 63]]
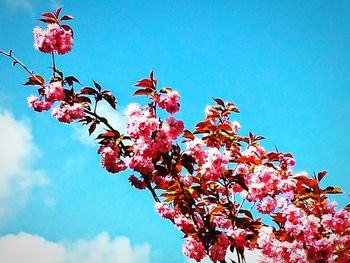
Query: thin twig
[[53, 64], [150, 188], [240, 206], [17, 61]]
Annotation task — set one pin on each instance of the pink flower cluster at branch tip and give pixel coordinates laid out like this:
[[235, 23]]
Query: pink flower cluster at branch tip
[[110, 158], [68, 113], [51, 93], [193, 249], [169, 102], [53, 39], [54, 91], [217, 251], [311, 238], [150, 136], [37, 104], [164, 210]]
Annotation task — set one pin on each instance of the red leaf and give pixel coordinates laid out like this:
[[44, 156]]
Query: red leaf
[[232, 107], [143, 92], [321, 175], [110, 99], [108, 134], [92, 128], [225, 127], [88, 90], [48, 20], [67, 28], [98, 86], [333, 190], [49, 15], [165, 90], [189, 135], [219, 102], [146, 83], [35, 80], [66, 18], [71, 79], [83, 99], [58, 11]]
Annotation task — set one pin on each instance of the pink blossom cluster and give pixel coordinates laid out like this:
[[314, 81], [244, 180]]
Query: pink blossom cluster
[[195, 148], [239, 237], [169, 102], [54, 92], [51, 93], [110, 158], [150, 137], [137, 183], [310, 237], [254, 152], [53, 39], [217, 251], [215, 163], [164, 210], [264, 181], [38, 104], [184, 224], [68, 113], [194, 249]]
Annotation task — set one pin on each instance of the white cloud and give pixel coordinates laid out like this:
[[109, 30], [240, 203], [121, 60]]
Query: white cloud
[[18, 154], [115, 118], [251, 256], [101, 249], [20, 4], [29, 248]]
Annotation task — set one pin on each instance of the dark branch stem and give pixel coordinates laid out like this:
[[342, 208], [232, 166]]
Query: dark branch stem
[[150, 188], [103, 120], [17, 61], [188, 201], [53, 65]]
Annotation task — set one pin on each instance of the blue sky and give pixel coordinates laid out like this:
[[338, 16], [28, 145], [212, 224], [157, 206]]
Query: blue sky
[[285, 64]]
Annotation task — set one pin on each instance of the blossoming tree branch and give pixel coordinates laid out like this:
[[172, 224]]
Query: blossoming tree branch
[[216, 186]]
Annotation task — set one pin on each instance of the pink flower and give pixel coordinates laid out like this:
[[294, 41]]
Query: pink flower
[[195, 148], [110, 158], [68, 113], [186, 180], [184, 224], [54, 92], [37, 104], [139, 163], [162, 142], [134, 111], [173, 127], [217, 251], [235, 126], [267, 206], [53, 39], [142, 125], [137, 183], [164, 210], [169, 102], [239, 236], [214, 164], [193, 249], [254, 152], [341, 221], [221, 222]]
